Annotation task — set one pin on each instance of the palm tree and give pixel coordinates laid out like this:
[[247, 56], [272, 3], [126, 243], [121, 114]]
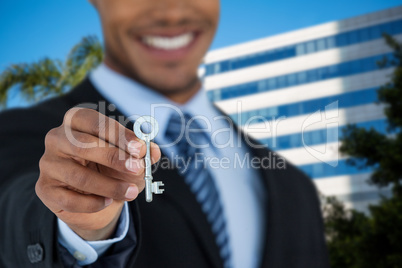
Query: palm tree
[[48, 77]]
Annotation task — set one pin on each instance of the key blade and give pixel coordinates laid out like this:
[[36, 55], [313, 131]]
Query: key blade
[[148, 189], [149, 199]]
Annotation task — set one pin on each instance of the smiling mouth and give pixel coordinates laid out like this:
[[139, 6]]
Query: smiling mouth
[[169, 43]]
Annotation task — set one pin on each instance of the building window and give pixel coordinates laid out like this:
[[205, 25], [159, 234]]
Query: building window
[[310, 47], [321, 44], [339, 40], [300, 49]]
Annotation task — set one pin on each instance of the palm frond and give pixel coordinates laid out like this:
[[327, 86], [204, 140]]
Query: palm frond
[[84, 56], [35, 80], [47, 77]]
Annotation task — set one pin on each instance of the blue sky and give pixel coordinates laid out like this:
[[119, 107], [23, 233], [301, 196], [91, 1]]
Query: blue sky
[[31, 30]]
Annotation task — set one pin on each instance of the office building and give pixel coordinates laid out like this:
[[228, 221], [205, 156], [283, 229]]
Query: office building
[[301, 88]]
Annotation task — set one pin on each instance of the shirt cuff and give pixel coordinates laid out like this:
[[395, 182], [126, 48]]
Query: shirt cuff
[[87, 252]]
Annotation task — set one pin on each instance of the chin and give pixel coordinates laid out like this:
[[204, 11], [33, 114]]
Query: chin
[[173, 87], [175, 82]]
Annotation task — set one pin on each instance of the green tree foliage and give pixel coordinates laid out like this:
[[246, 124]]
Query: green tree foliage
[[374, 149], [355, 239], [51, 77]]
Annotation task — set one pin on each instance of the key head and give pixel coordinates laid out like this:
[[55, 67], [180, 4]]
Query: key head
[[154, 128]]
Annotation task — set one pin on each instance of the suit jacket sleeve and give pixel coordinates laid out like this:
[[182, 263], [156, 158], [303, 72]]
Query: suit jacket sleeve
[[28, 228], [117, 256]]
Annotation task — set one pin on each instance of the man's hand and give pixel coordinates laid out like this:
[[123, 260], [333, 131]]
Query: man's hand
[[91, 165]]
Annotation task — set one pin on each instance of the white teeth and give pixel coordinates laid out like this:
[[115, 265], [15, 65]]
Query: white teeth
[[168, 43]]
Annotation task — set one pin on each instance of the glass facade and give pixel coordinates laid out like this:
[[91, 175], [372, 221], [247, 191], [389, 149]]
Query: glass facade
[[345, 100], [308, 47], [323, 170], [364, 196], [299, 78], [293, 145], [319, 136]]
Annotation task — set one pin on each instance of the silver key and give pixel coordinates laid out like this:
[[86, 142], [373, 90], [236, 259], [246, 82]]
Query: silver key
[[150, 187]]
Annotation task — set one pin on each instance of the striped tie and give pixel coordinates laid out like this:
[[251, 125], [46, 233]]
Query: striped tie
[[199, 179]]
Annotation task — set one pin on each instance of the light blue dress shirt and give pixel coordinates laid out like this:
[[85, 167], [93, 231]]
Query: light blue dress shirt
[[87, 252], [228, 161]]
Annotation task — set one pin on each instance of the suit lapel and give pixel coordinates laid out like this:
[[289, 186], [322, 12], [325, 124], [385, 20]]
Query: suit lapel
[[179, 194], [176, 190]]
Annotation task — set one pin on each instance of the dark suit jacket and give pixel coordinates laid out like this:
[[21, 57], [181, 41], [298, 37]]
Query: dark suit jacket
[[172, 231]]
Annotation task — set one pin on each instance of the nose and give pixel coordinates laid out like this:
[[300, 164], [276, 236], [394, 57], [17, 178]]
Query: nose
[[172, 12]]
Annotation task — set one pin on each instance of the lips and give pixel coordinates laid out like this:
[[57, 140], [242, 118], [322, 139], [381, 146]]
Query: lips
[[168, 43], [171, 45]]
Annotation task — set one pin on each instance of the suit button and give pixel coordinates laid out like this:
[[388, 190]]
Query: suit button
[[35, 253], [79, 256]]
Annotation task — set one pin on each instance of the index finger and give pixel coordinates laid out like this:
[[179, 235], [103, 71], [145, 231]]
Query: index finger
[[107, 129]]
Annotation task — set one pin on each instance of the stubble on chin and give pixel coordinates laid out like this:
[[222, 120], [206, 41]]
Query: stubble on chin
[[182, 84]]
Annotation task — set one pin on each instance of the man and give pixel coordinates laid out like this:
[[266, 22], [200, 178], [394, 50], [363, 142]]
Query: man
[[72, 178]]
